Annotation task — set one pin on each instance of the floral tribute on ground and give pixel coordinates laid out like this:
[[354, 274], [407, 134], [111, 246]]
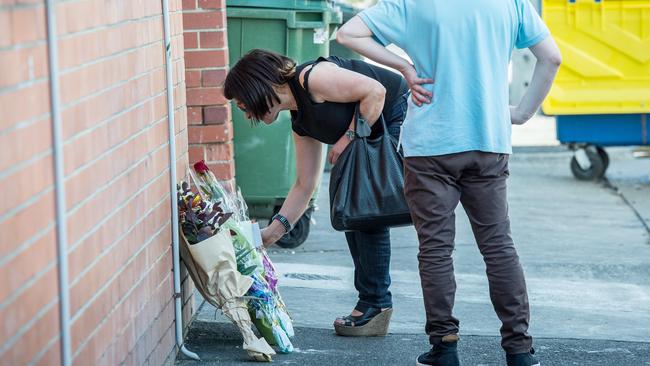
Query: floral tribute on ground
[[222, 250]]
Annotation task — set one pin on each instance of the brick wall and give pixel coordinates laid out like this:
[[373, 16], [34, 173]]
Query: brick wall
[[208, 112], [114, 122]]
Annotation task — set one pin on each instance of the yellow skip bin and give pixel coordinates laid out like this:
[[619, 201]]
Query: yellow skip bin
[[606, 56]]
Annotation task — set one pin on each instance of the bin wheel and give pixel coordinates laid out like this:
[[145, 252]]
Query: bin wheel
[[603, 155], [299, 233], [589, 164]]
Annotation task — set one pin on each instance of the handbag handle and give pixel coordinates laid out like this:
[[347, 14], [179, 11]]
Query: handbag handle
[[361, 127]]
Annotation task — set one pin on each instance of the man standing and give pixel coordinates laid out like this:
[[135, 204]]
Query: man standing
[[456, 140]]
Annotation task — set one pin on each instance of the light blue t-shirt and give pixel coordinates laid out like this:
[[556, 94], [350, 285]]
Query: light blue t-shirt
[[465, 46]]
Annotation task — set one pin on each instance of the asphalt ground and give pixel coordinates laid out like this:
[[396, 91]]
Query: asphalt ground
[[584, 246]]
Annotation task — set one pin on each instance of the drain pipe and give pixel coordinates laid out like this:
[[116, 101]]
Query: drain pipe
[[59, 186], [178, 306]]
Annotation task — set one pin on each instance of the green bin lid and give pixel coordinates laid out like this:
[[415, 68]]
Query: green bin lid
[[283, 4], [294, 18]]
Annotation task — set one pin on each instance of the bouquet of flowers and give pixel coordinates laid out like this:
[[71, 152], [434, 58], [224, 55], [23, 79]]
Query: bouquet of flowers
[[208, 253], [265, 305]]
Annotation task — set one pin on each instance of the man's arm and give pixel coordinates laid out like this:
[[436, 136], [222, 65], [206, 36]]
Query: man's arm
[[548, 61], [356, 36]]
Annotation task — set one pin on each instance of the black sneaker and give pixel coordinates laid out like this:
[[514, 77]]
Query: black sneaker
[[444, 353], [522, 359]]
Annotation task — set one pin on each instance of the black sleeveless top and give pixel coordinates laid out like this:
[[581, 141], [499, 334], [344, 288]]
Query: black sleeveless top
[[328, 121]]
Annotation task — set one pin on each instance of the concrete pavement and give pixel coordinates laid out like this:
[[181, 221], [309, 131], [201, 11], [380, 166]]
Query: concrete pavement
[[219, 344], [585, 248]]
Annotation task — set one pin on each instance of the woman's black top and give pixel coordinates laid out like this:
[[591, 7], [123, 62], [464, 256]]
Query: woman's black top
[[328, 121]]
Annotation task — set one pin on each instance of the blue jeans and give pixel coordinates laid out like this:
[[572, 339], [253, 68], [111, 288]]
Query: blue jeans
[[370, 250]]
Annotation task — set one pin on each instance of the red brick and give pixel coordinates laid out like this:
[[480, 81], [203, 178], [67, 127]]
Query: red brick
[[191, 40], [196, 153], [194, 115], [163, 347], [25, 64], [213, 77], [26, 223], [180, 95], [83, 255], [200, 59], [14, 148], [110, 303], [85, 217], [181, 118], [13, 104], [92, 145], [192, 78], [25, 307], [223, 170], [95, 77], [28, 24], [189, 4], [212, 39], [209, 134], [84, 287], [35, 339], [216, 115], [219, 152], [211, 4], [88, 46], [75, 16], [121, 160], [113, 111], [205, 96], [206, 20], [25, 183], [5, 29], [27, 264], [96, 109], [53, 354]]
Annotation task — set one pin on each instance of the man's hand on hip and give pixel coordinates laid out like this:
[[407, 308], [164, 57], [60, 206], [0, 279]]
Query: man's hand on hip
[[418, 92]]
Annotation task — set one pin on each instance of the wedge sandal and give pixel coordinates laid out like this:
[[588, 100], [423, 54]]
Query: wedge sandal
[[372, 323]]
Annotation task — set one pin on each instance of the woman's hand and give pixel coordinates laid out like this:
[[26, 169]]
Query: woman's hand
[[337, 149], [418, 93], [308, 169], [272, 233]]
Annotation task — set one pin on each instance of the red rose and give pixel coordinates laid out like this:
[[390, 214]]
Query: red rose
[[200, 167]]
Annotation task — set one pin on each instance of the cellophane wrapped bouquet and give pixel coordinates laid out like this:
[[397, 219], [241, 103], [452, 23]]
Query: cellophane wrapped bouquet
[[265, 305], [206, 248]]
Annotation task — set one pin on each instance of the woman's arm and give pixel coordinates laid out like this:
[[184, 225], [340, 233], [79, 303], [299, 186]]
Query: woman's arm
[[356, 36], [328, 82], [308, 171]]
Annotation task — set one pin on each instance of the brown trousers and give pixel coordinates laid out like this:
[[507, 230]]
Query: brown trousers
[[433, 186]]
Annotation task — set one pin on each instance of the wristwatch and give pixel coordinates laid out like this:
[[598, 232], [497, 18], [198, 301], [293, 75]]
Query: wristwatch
[[350, 134], [284, 221]]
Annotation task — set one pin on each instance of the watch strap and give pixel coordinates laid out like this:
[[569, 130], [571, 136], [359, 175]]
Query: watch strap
[[284, 221]]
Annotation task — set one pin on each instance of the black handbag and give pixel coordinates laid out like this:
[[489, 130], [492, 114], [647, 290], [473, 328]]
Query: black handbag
[[367, 182]]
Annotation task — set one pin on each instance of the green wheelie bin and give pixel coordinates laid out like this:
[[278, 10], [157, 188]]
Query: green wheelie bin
[[347, 13], [265, 159]]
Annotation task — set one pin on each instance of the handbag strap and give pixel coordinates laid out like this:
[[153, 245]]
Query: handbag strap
[[361, 128]]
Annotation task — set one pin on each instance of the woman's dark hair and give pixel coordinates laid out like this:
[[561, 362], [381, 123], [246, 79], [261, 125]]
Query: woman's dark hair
[[253, 77]]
